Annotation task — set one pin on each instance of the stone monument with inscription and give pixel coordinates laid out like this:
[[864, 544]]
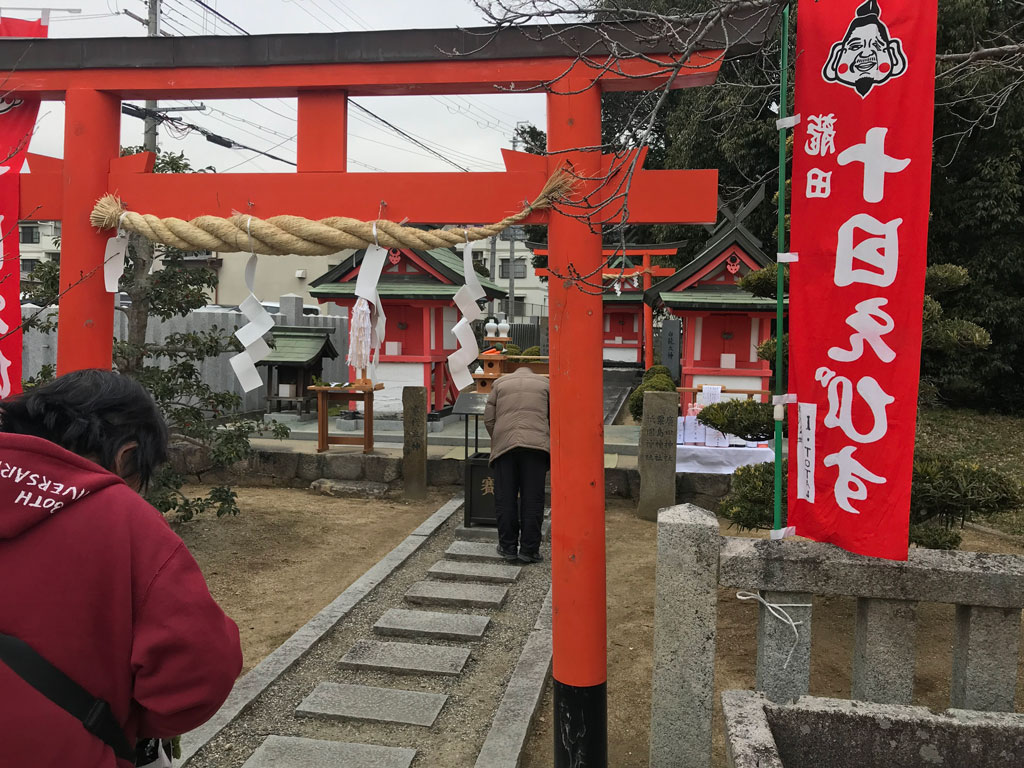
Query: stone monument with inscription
[[658, 453], [414, 446]]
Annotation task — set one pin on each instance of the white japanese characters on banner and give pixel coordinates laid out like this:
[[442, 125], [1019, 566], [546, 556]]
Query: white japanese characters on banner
[[865, 83], [17, 122]]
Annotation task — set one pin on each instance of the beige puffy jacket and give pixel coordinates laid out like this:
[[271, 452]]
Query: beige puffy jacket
[[516, 415]]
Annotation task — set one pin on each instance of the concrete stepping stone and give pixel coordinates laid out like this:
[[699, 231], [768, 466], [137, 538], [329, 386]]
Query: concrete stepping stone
[[294, 752], [406, 658], [462, 595], [473, 551], [431, 625], [489, 533], [379, 705], [486, 572]]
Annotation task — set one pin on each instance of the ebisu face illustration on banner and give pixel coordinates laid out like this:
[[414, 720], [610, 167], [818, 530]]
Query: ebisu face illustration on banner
[[868, 55], [861, 181], [6, 105]]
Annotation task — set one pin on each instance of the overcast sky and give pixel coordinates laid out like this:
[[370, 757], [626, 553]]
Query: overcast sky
[[469, 130]]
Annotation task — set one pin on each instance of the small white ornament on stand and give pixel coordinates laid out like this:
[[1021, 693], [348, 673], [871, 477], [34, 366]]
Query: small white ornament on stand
[[503, 327]]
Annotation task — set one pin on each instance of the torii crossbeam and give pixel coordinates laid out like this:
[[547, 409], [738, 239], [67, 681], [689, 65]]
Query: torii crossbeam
[[94, 76]]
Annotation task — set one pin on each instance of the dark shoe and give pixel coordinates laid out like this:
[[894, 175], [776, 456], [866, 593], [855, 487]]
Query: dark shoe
[[507, 556], [528, 558]]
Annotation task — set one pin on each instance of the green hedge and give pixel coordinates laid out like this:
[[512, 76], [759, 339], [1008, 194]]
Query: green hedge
[[656, 383], [945, 492], [657, 370], [748, 419]]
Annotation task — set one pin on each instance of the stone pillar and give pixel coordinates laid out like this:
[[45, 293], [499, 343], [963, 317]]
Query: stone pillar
[[658, 454], [685, 612], [671, 332], [291, 308], [985, 650], [884, 651], [414, 444], [784, 657]]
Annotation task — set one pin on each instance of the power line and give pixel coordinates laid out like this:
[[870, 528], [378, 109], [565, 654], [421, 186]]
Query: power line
[[220, 16], [238, 165], [402, 133], [214, 138]]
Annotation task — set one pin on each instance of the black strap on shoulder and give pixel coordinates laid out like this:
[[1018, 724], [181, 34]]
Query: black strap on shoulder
[[94, 713]]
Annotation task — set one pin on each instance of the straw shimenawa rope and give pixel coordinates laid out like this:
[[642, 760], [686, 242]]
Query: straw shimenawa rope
[[281, 235]]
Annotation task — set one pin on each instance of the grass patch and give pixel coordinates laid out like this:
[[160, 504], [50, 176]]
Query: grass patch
[[991, 440]]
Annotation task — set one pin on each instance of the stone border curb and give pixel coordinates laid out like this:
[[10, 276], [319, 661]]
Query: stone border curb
[[510, 728], [264, 674], [436, 520]]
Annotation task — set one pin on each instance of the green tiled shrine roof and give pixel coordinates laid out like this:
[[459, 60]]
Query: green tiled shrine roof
[[300, 346]]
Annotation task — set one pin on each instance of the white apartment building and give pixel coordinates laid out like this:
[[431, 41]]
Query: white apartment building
[[36, 241], [531, 294]]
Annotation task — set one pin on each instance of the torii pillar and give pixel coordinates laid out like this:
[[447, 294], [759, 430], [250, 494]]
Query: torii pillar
[[579, 619]]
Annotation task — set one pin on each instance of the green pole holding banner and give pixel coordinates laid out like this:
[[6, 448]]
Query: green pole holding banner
[[780, 377]]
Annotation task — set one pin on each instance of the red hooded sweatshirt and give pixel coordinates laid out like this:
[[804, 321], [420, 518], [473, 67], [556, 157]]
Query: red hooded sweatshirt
[[96, 582]]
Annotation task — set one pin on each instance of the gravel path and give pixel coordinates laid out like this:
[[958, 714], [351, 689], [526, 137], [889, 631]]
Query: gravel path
[[457, 735]]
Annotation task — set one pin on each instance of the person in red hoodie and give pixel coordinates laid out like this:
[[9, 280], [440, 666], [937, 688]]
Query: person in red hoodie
[[94, 579]]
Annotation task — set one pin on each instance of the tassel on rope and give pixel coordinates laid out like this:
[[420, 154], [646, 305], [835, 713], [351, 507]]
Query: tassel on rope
[[359, 348], [282, 235]]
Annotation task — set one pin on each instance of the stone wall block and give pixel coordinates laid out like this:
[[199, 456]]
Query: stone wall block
[[884, 651], [784, 657], [985, 651]]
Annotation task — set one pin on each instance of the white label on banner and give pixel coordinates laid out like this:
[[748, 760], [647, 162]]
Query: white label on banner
[[807, 418], [680, 430]]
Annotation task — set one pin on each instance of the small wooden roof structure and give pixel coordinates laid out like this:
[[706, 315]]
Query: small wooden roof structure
[[300, 347], [432, 275], [681, 290]]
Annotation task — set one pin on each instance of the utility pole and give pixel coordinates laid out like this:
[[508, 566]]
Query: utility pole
[[494, 267], [511, 279], [512, 251], [153, 30]]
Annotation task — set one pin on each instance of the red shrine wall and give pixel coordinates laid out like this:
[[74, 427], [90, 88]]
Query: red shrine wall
[[727, 334], [623, 333]]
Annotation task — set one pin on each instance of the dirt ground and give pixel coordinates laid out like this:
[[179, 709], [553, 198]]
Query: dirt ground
[[301, 550], [631, 558], [291, 552]]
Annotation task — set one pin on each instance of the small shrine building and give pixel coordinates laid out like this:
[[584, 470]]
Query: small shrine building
[[417, 289], [722, 323], [628, 331]]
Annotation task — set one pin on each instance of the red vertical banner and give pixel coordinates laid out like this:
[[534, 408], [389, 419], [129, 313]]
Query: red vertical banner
[[865, 93], [17, 121]]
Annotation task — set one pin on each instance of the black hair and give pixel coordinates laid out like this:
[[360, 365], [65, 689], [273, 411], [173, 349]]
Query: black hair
[[95, 414], [867, 14]]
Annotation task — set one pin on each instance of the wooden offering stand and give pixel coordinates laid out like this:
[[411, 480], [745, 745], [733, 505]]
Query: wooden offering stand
[[491, 364], [360, 389], [495, 365]]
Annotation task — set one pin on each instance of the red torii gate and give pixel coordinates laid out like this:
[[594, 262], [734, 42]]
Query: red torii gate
[[646, 271], [94, 76]]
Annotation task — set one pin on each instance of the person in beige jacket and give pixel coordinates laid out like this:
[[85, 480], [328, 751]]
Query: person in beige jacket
[[517, 419]]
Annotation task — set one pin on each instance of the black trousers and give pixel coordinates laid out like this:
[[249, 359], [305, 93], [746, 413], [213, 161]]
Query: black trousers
[[519, 498]]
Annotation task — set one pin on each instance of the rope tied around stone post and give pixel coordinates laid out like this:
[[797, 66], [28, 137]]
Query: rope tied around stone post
[[776, 610], [283, 235]]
